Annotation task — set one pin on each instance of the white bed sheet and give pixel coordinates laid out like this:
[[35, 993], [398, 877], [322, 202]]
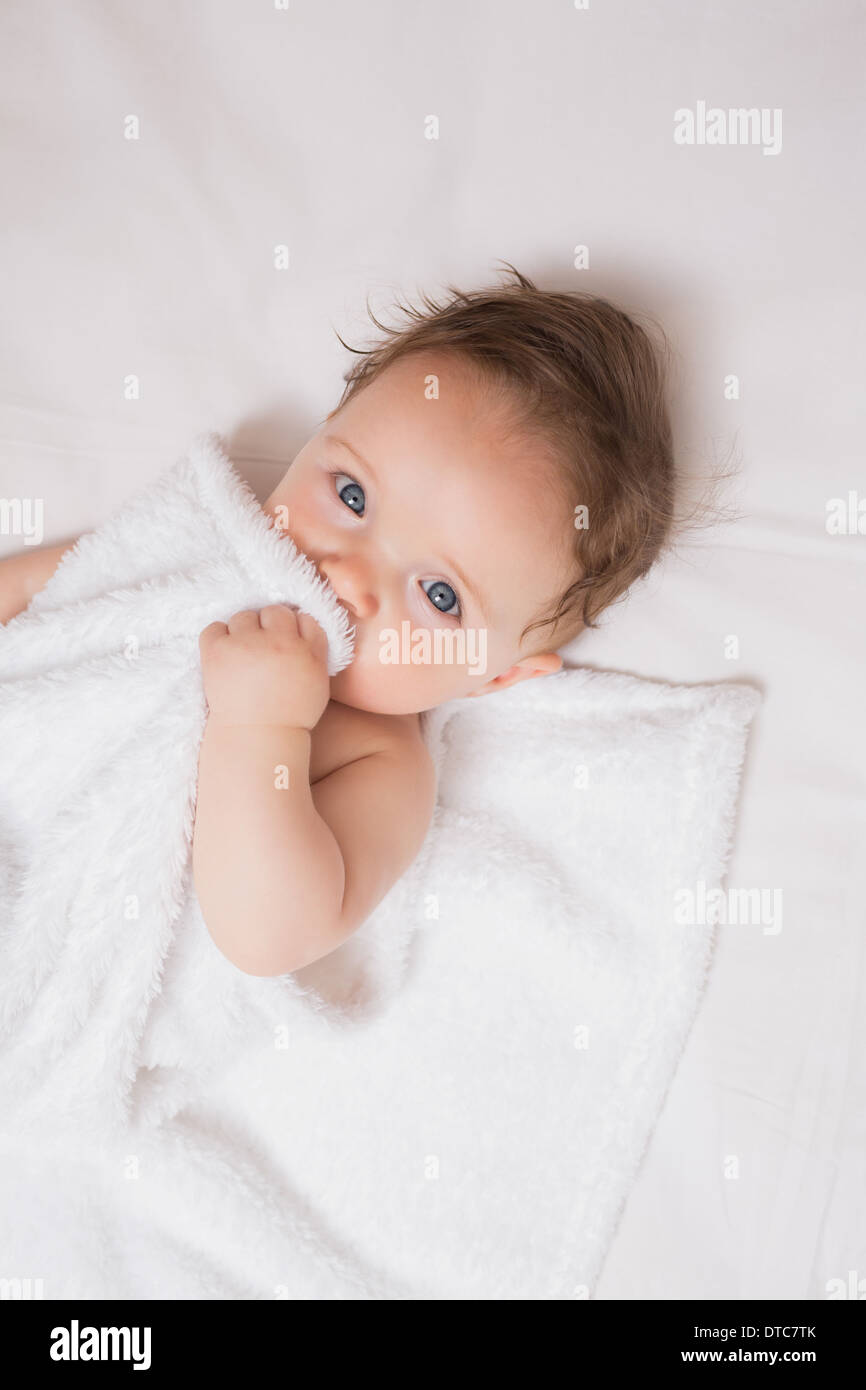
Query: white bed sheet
[[154, 259]]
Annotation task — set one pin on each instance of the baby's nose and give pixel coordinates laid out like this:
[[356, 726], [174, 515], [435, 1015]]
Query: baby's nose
[[351, 587], [362, 605]]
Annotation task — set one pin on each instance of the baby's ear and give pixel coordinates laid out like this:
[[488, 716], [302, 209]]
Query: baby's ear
[[527, 668], [543, 663]]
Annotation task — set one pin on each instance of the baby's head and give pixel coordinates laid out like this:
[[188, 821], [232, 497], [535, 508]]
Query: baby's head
[[497, 472]]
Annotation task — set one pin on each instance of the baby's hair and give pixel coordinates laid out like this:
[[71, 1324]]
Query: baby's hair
[[586, 383]]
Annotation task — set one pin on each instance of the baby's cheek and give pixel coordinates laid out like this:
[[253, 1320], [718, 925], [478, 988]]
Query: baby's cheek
[[396, 687], [424, 685]]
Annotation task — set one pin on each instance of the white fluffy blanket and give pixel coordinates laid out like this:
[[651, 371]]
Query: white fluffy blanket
[[455, 1103], [107, 966]]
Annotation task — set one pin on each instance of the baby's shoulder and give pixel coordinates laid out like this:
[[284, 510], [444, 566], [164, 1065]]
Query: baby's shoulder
[[376, 790], [344, 734]]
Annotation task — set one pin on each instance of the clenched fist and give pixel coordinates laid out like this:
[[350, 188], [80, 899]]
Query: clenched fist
[[266, 668]]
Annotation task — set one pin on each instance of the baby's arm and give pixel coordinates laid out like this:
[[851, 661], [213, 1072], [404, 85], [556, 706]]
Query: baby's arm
[[284, 872], [23, 575]]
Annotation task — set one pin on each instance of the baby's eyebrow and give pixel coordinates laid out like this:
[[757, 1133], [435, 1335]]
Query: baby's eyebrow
[[344, 444], [464, 579], [473, 589]]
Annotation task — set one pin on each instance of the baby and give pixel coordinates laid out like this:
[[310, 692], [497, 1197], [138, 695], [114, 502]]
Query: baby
[[498, 471]]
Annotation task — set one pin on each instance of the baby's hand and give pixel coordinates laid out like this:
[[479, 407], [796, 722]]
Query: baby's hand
[[266, 668]]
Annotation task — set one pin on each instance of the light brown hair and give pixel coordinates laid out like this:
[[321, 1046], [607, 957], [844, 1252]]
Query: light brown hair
[[585, 378]]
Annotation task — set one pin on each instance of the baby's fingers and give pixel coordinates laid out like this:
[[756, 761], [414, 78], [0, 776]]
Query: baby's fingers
[[209, 634], [280, 617], [315, 635], [247, 620]]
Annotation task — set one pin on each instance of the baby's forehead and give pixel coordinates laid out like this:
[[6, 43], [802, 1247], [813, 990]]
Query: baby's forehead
[[498, 484]]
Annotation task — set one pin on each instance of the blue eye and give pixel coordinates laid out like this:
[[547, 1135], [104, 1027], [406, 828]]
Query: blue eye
[[445, 605], [351, 486]]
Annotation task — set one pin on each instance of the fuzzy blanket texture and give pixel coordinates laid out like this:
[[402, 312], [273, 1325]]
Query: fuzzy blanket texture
[[452, 1105]]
